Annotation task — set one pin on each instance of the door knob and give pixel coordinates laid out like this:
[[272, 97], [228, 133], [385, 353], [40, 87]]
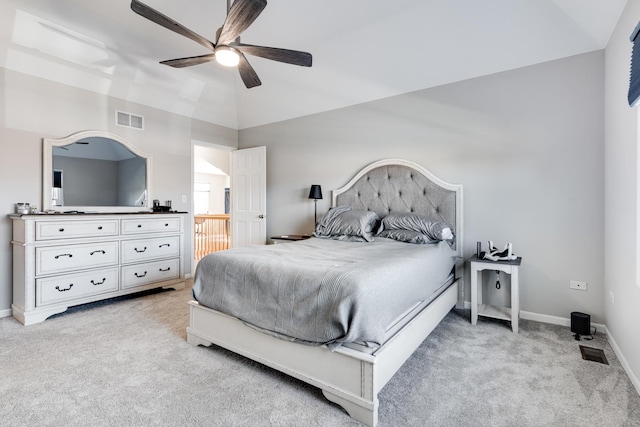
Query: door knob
[[261, 216]]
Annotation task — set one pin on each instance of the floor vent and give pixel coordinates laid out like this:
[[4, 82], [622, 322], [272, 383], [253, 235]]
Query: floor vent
[[593, 354], [129, 120]]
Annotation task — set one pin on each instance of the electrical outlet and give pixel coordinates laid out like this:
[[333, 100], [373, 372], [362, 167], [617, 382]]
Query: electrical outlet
[[184, 198], [575, 284], [611, 297]]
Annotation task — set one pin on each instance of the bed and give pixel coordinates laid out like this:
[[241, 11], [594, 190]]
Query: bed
[[350, 365]]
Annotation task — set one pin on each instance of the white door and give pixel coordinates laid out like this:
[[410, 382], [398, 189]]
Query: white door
[[249, 196]]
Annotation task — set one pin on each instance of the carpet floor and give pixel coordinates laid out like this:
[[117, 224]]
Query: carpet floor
[[127, 363]]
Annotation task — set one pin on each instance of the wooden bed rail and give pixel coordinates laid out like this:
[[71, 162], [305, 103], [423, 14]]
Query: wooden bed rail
[[211, 234]]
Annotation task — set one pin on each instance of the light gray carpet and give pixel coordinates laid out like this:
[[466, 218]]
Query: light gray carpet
[[127, 363]]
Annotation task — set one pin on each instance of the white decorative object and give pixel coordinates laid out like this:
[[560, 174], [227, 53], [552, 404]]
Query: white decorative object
[[62, 260]]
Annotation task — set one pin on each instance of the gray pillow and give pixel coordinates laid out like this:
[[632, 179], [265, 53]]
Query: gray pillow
[[345, 223], [433, 230], [408, 236]]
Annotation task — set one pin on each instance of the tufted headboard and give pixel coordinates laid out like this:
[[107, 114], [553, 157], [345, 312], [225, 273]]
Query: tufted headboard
[[402, 186]]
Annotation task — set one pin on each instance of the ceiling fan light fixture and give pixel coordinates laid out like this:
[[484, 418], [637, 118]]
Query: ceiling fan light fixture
[[227, 49], [227, 56]]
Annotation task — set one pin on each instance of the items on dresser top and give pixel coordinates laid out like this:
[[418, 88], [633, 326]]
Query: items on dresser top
[[161, 208], [62, 260], [23, 208]]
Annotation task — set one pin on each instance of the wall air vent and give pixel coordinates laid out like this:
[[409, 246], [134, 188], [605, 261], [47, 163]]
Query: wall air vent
[[129, 120]]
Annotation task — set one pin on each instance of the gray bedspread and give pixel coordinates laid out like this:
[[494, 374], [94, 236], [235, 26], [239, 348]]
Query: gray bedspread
[[322, 291]]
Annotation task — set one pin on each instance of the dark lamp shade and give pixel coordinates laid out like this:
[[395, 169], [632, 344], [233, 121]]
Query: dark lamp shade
[[315, 192]]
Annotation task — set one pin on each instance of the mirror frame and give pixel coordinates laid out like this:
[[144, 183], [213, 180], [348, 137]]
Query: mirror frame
[[47, 172]]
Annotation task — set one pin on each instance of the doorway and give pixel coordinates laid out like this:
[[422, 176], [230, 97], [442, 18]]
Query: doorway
[[211, 190]]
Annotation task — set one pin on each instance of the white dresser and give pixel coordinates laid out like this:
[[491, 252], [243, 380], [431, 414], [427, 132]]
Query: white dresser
[[62, 260]]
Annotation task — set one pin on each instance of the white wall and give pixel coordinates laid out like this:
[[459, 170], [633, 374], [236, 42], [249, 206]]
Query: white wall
[[621, 198], [32, 109], [216, 157], [88, 182], [205, 155], [216, 194], [526, 144]]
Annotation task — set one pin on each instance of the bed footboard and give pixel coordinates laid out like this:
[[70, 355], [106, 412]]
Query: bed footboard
[[366, 415], [347, 377]]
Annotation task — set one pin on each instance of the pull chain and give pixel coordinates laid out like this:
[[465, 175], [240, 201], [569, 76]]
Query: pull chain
[[497, 279]]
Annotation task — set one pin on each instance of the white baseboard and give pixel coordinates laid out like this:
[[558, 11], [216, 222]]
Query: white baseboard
[[623, 361], [565, 321], [556, 320], [545, 318]]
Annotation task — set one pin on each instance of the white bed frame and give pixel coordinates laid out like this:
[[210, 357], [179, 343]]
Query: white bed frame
[[347, 377]]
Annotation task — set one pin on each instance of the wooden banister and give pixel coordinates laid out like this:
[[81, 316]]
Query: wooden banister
[[211, 234]]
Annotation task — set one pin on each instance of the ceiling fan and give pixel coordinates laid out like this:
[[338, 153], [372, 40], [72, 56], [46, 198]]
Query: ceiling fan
[[227, 50]]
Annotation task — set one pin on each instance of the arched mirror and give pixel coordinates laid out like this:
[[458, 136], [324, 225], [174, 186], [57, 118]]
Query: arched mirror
[[94, 171]]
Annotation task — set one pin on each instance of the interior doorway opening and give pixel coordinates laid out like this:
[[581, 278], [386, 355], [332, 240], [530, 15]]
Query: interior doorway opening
[[211, 202]]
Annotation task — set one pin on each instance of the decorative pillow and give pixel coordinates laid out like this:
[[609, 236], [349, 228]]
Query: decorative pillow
[[433, 230], [408, 236], [345, 223]]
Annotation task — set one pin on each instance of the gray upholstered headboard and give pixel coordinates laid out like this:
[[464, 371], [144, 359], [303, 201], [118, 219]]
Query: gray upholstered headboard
[[402, 186]]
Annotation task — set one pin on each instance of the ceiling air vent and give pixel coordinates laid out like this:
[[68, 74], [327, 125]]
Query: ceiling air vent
[[129, 120]]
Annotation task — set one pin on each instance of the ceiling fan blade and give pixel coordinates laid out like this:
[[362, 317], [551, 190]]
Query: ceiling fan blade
[[247, 73], [294, 57], [241, 15], [163, 20], [189, 61]]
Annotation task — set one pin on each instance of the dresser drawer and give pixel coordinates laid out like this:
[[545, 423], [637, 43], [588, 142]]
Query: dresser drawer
[[142, 274], [148, 249], [70, 287], [48, 230], [137, 226], [62, 259]]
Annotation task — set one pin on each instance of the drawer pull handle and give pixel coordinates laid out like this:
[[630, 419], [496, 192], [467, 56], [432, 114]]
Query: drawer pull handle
[[104, 279], [164, 244], [65, 289], [139, 225], [99, 227], [166, 225], [95, 252], [165, 269], [61, 230], [140, 275], [140, 251], [58, 256]]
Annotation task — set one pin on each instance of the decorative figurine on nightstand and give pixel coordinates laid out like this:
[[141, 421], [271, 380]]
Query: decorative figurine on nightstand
[[494, 254]]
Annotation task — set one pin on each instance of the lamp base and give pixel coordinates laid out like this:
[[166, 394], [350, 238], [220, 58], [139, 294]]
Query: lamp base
[[315, 212]]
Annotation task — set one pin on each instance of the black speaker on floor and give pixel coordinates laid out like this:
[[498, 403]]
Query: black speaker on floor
[[580, 324]]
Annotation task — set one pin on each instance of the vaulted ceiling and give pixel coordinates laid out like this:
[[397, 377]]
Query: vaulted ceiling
[[362, 49]]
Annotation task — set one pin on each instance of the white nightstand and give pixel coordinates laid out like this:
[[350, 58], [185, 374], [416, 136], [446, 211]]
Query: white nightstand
[[478, 308]]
